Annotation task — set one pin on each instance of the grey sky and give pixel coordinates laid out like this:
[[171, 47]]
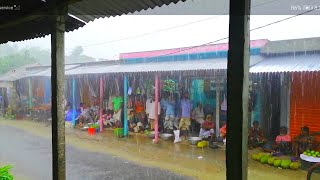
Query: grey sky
[[210, 28]]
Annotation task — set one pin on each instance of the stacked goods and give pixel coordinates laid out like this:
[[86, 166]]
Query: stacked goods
[[265, 158]]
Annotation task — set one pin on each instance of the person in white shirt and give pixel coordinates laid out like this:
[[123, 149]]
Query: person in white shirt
[[151, 111], [198, 114]]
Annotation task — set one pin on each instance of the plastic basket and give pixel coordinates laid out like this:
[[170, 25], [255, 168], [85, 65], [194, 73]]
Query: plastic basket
[[91, 131], [118, 132]]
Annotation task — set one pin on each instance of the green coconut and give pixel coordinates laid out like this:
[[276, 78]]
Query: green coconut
[[271, 160], [260, 155], [285, 164], [264, 159], [254, 156], [294, 165], [277, 163]]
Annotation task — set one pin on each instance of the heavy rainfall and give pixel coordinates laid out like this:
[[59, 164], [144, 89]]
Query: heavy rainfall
[[145, 97]]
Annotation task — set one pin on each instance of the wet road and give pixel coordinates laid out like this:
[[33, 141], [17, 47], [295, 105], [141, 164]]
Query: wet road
[[31, 157]]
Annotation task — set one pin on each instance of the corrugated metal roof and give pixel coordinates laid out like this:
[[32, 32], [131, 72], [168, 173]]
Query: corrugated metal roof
[[18, 73], [291, 46], [35, 28], [32, 20], [47, 72], [210, 64], [88, 10], [297, 63]]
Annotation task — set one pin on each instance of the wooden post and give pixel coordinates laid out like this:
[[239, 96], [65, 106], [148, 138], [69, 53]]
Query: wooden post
[[101, 103], [238, 93], [73, 102], [156, 98], [125, 105], [217, 107], [30, 93], [57, 85]]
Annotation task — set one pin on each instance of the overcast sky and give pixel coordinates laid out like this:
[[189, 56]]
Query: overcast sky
[[103, 38]]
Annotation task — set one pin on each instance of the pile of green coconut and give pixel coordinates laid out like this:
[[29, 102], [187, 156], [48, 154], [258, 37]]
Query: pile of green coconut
[[266, 158]]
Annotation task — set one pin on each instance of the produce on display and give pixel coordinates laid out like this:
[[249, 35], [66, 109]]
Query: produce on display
[[202, 144], [271, 160], [294, 165], [266, 158], [277, 163], [95, 126], [315, 154], [285, 164], [5, 174]]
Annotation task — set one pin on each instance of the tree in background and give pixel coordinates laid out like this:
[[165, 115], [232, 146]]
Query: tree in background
[[13, 61], [76, 56], [12, 57]]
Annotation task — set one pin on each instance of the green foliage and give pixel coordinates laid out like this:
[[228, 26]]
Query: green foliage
[[5, 174], [10, 62]]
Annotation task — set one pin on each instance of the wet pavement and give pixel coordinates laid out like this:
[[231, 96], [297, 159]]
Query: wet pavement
[[91, 157], [31, 157]]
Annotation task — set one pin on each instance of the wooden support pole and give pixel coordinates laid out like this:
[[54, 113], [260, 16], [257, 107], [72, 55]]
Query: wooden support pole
[[57, 85], [237, 90], [156, 98], [217, 108], [30, 93], [125, 105], [101, 103], [73, 102]]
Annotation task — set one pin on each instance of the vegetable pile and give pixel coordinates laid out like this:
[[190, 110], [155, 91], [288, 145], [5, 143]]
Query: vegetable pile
[[265, 158], [96, 126], [5, 174], [315, 154], [146, 132]]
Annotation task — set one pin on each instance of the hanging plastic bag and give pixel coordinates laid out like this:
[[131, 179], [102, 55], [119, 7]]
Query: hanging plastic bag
[[176, 136]]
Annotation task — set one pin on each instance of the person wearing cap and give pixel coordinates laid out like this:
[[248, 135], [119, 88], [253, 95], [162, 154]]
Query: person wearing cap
[[207, 128]]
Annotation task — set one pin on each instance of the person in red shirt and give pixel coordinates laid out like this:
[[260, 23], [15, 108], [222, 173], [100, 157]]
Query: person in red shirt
[[207, 128], [281, 145]]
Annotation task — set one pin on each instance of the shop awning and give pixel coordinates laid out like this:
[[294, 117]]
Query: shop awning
[[47, 72], [297, 63], [190, 65]]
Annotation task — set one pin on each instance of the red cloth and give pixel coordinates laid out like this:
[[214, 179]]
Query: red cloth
[[139, 106], [285, 138], [208, 125], [223, 129]]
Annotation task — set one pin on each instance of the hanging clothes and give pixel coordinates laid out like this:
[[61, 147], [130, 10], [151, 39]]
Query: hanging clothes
[[151, 109]]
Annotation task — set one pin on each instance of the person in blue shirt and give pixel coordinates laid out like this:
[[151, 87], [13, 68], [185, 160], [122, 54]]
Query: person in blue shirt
[[169, 106]]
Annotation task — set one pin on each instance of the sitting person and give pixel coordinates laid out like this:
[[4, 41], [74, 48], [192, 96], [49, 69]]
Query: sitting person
[[141, 124], [282, 144], [132, 121], [223, 133], [207, 128], [303, 141], [107, 118], [256, 136], [85, 116]]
